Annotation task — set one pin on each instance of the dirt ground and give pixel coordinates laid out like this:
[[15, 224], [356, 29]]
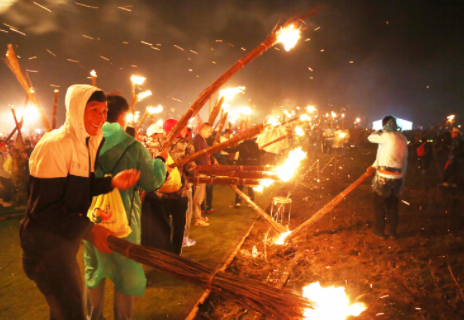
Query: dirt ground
[[417, 276]]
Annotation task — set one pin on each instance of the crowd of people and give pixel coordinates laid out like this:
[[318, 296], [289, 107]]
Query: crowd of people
[[95, 151]]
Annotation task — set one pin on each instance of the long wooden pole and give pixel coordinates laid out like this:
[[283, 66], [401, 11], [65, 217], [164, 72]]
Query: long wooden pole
[[55, 106], [219, 168], [221, 126], [329, 206], [277, 140], [270, 41], [220, 146], [225, 181], [12, 62], [214, 113], [274, 225]]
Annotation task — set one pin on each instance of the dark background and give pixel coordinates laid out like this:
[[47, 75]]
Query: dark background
[[407, 55]]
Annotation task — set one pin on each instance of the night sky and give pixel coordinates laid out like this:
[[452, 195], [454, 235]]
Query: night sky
[[407, 55]]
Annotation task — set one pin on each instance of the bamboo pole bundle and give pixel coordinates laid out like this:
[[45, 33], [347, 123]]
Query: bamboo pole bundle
[[55, 107], [288, 135], [218, 168], [18, 124], [270, 41], [224, 181], [214, 113], [329, 206], [220, 146], [274, 225], [261, 297], [244, 174], [12, 62], [221, 126]]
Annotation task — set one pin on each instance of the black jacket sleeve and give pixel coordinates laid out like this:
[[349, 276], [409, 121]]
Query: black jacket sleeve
[[102, 186]]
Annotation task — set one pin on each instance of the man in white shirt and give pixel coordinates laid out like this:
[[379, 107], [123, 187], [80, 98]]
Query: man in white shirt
[[388, 182]]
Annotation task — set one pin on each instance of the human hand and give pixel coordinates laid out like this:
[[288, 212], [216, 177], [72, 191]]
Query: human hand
[[125, 179], [98, 236]]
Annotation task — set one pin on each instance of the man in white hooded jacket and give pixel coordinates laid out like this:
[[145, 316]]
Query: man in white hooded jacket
[[61, 186], [390, 164]]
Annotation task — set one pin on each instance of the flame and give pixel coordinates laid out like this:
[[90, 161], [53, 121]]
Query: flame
[[154, 110], [230, 93], [286, 171], [245, 111], [305, 118], [56, 90], [130, 117], [333, 114], [342, 135], [343, 115], [451, 117], [273, 121], [310, 109], [283, 236], [330, 303], [143, 95], [288, 37], [137, 80], [31, 90], [288, 114], [263, 183], [93, 73], [225, 106], [358, 120], [299, 131]]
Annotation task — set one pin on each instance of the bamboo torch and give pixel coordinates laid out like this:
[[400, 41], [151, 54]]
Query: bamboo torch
[[93, 74], [135, 80], [150, 111], [18, 124], [12, 62], [328, 207], [221, 126], [55, 106], [288, 34], [214, 113]]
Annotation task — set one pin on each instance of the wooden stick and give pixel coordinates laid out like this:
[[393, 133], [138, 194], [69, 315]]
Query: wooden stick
[[224, 181], [142, 120], [218, 168], [218, 147], [221, 126], [270, 41], [277, 140], [18, 124], [12, 62], [214, 113], [275, 226], [55, 106], [329, 206], [243, 174]]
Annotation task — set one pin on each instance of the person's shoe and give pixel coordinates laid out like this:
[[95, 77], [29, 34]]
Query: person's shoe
[[188, 242], [453, 185], [204, 218], [445, 184], [211, 210], [379, 235], [201, 223], [237, 205]]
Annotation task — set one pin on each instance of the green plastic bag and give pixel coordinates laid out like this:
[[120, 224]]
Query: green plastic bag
[[108, 211]]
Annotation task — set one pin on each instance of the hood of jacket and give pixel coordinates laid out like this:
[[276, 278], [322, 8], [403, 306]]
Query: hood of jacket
[[64, 150]]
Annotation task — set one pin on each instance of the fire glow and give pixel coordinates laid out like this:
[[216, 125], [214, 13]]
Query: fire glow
[[288, 37], [281, 240], [299, 132], [330, 303], [143, 95], [155, 110], [263, 183], [245, 111], [137, 80], [287, 170], [273, 121], [229, 94]]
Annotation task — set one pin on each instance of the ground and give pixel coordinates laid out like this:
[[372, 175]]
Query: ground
[[417, 276]]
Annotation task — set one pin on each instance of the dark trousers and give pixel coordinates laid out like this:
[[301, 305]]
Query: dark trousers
[[177, 209], [208, 199], [451, 172], [251, 194], [49, 260], [156, 231], [8, 190], [386, 206]]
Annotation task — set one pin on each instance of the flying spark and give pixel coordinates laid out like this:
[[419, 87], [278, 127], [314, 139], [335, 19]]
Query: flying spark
[[87, 6], [41, 6]]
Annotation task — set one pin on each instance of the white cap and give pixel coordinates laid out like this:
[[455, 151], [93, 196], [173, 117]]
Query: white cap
[[154, 128]]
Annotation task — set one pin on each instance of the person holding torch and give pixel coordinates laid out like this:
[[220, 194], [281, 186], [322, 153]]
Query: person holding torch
[[388, 182]]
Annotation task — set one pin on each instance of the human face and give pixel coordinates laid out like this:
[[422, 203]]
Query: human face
[[95, 116], [207, 132], [3, 148]]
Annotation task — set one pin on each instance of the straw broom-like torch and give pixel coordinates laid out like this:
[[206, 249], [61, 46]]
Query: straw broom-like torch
[[263, 298], [329, 206], [12, 62], [276, 36]]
